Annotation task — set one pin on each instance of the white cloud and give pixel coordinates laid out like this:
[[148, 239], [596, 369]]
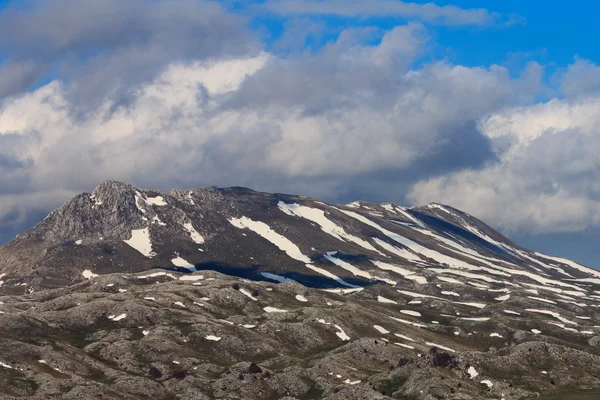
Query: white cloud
[[546, 179], [450, 15]]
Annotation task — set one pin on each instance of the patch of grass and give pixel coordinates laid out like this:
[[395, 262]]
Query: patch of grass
[[31, 383], [65, 388], [99, 376], [313, 393], [56, 347], [389, 386], [184, 326]]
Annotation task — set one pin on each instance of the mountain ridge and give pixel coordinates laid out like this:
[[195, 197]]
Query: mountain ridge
[[102, 225]]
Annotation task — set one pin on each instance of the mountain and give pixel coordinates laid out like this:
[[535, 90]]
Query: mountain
[[235, 294]]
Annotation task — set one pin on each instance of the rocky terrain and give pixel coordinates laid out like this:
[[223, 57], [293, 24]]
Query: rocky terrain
[[233, 294]]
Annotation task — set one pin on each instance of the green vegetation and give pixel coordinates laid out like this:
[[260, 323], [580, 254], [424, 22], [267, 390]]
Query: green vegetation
[[99, 376], [66, 388]]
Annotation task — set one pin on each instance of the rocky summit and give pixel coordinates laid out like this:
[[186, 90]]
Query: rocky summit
[[213, 293]]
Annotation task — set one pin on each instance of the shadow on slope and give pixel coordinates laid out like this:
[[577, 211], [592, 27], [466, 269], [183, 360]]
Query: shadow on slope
[[254, 273]]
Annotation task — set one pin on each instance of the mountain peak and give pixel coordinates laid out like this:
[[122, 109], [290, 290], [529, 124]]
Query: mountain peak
[[112, 187]]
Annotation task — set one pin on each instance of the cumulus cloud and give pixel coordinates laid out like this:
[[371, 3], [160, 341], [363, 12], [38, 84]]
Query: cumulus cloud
[[546, 179], [430, 12], [581, 78], [17, 76], [105, 45]]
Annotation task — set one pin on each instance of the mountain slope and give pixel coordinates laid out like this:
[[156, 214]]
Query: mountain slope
[[129, 293], [119, 228]]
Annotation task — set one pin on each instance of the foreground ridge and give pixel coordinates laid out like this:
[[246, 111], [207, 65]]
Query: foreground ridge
[[231, 293]]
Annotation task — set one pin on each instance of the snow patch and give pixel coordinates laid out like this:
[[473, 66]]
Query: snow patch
[[180, 262], [347, 266], [156, 201], [269, 234], [448, 293], [449, 280], [404, 337], [410, 312], [552, 313], [381, 329], [213, 338], [318, 216], [382, 299], [471, 304], [407, 274], [417, 248], [341, 334], [88, 274], [118, 317], [4, 365], [439, 346], [156, 220], [274, 310], [248, 294], [191, 277], [301, 298], [196, 237], [140, 241], [155, 274], [397, 251], [404, 321], [472, 372], [541, 299]]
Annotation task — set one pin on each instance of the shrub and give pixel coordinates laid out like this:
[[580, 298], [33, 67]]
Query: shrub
[[403, 361], [442, 360], [154, 372], [179, 374], [254, 369]]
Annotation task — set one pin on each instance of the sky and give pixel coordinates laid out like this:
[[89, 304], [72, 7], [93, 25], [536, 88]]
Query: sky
[[490, 107]]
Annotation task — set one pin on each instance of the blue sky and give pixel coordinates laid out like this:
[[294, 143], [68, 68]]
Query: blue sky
[[550, 32], [490, 107]]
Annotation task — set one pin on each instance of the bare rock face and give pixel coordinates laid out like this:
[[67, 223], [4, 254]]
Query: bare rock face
[[234, 294]]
